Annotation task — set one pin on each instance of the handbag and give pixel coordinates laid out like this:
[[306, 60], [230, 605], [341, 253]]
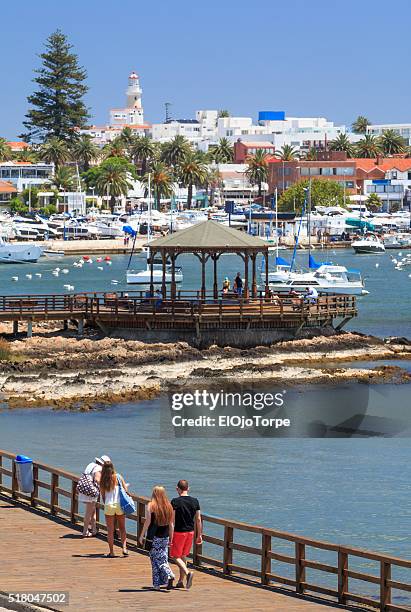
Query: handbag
[[126, 501], [87, 486], [151, 532]]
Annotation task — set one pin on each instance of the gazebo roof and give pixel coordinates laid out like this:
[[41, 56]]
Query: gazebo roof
[[209, 235]]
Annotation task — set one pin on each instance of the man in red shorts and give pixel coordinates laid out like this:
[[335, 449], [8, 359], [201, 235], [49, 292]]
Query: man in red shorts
[[186, 513]]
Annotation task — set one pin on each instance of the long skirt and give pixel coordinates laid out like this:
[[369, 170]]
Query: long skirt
[[159, 562]]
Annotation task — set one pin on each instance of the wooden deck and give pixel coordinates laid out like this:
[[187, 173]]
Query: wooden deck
[[246, 569], [42, 554]]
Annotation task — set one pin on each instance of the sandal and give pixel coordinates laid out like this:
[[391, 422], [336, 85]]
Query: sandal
[[125, 553]]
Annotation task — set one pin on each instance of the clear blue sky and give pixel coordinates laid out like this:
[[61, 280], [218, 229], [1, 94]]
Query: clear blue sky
[[308, 57]]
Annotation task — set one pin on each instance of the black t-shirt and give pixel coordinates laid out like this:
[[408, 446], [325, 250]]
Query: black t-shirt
[[185, 507]]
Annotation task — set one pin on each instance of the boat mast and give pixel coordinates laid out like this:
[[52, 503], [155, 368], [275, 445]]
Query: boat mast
[[276, 223]]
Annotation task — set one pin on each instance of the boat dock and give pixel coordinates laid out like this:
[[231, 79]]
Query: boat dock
[[239, 566], [194, 317]]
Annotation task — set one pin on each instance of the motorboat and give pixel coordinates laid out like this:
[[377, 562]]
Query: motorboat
[[327, 278], [14, 252], [370, 243], [397, 241]]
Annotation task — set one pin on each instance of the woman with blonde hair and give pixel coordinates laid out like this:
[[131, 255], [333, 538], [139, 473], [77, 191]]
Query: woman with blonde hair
[[110, 492], [159, 519]]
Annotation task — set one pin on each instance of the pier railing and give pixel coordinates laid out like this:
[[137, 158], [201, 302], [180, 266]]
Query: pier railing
[[186, 305], [55, 492]]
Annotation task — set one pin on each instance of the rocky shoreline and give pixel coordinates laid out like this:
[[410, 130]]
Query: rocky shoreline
[[63, 372]]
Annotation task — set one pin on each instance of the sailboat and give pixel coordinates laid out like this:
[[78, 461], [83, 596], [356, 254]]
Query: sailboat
[[144, 277]]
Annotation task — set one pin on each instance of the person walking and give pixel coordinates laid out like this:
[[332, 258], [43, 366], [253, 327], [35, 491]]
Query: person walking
[[93, 470], [186, 513], [110, 492], [159, 519]]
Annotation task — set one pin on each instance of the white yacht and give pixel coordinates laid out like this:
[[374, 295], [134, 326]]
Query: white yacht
[[370, 243], [327, 278], [13, 252]]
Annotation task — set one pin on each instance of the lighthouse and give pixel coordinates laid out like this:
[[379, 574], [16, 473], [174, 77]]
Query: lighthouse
[[133, 113], [133, 92]]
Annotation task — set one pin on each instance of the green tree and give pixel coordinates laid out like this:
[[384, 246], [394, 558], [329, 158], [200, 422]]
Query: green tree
[[360, 125], [64, 179], [374, 202], [223, 113], [114, 178], [342, 143], [175, 151], [84, 151], [161, 182], [55, 151], [223, 153], [191, 172], [311, 154], [57, 107], [5, 151], [30, 195], [115, 148], [126, 137], [143, 152], [287, 153], [323, 193], [392, 143], [26, 155], [257, 171], [369, 146], [18, 206]]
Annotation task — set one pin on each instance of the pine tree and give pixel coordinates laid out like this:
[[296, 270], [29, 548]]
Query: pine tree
[[57, 106]]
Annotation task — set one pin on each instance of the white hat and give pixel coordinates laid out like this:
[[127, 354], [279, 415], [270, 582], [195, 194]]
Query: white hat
[[101, 460]]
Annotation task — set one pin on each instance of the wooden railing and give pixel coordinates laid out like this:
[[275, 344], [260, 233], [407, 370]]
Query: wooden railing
[[186, 304], [267, 549]]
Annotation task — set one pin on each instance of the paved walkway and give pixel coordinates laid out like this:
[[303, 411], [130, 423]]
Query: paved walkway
[[40, 554]]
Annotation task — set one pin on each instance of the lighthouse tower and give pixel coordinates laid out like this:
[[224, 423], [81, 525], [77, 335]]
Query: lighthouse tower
[[133, 114], [133, 92]]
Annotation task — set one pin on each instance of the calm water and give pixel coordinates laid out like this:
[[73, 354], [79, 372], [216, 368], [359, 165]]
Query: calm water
[[384, 312], [355, 490]]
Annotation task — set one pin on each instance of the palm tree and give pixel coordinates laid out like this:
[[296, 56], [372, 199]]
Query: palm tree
[[55, 151], [392, 143], [360, 125], [369, 146], [223, 153], [342, 143], [26, 155], [115, 148], [311, 154], [161, 181], [113, 180], [84, 151], [127, 137], [143, 151], [257, 171], [223, 113], [287, 153], [175, 151], [63, 179], [5, 151], [213, 181], [191, 172]]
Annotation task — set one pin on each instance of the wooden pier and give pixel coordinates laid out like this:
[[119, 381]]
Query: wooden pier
[[188, 316], [248, 569]]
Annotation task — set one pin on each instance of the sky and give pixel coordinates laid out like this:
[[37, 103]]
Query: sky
[[307, 57]]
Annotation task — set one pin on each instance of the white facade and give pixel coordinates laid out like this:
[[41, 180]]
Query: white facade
[[200, 131], [133, 113], [24, 174], [403, 129], [235, 184]]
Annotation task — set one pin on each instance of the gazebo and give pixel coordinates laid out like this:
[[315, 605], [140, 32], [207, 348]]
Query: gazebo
[[209, 240]]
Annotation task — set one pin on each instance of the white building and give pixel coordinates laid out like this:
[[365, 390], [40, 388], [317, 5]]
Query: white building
[[24, 174], [300, 132], [131, 116], [235, 184], [200, 131], [403, 129]]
